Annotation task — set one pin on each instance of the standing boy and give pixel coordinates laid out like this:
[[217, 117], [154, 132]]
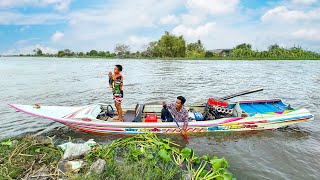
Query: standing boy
[[116, 82]]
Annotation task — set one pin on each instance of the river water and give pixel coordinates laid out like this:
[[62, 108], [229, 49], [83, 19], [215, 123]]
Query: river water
[[288, 153]]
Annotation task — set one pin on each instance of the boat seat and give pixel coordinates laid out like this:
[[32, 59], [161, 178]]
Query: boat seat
[[138, 112], [129, 116], [134, 115]]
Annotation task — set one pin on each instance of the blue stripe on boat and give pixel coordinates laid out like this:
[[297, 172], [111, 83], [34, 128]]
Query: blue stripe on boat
[[263, 107]]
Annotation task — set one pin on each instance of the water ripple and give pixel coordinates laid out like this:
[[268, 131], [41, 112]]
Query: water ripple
[[287, 153]]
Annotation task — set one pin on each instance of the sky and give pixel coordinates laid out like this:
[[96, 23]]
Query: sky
[[83, 25]]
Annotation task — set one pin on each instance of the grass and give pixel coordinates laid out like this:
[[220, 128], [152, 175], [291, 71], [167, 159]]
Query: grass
[[27, 156]]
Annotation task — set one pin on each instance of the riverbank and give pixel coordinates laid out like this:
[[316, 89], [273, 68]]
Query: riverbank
[[141, 156], [182, 58]]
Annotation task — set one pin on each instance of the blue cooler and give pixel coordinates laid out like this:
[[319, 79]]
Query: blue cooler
[[198, 116]]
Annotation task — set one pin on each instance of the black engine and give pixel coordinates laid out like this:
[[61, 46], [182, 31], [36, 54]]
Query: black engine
[[216, 110]]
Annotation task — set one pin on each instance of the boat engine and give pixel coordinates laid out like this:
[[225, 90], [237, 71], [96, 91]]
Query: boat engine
[[216, 109]]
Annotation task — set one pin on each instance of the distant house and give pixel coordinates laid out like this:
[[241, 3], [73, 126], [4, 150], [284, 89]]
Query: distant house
[[221, 52]]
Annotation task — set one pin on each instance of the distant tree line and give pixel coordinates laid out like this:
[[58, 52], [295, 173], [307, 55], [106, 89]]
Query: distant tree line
[[172, 46], [69, 53], [274, 51]]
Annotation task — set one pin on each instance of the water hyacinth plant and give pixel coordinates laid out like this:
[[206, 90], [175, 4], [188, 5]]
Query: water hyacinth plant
[[161, 159], [138, 157]]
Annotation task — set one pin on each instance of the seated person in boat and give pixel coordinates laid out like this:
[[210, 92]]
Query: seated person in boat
[[175, 110], [116, 82]]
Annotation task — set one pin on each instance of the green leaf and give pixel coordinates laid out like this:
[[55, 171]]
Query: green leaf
[[206, 157], [226, 163], [7, 143], [186, 152], [203, 173], [142, 150], [135, 153], [166, 146], [165, 140], [177, 150], [217, 163], [219, 178], [150, 156], [196, 161], [37, 150], [226, 176], [158, 143], [163, 154]]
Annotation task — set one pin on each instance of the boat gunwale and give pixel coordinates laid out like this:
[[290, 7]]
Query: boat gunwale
[[161, 124]]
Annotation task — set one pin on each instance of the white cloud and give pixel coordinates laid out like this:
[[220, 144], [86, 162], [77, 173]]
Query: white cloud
[[194, 33], [214, 7], [291, 22], [60, 5], [28, 49], [21, 42], [24, 28], [135, 40], [123, 15], [12, 18], [103, 26], [307, 2], [138, 22], [191, 19], [307, 34], [169, 19], [283, 14], [7, 3], [57, 36], [26, 42]]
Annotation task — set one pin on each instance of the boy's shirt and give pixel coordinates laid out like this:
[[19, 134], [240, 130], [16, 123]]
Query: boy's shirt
[[116, 82]]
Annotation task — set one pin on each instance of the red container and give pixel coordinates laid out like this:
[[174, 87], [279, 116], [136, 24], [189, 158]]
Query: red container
[[214, 102], [151, 118]]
